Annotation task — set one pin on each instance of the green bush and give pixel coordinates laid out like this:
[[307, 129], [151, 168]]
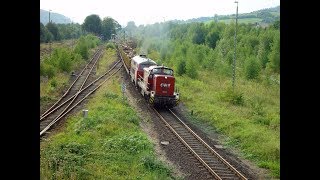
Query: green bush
[[252, 68], [110, 46], [181, 67], [233, 97], [47, 70], [150, 163], [82, 48], [53, 83]]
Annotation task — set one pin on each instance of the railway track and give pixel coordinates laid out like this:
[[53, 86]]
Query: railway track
[[216, 165], [81, 91], [77, 83]]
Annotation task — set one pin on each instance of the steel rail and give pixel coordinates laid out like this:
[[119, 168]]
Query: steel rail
[[62, 115], [81, 91], [186, 144], [207, 146], [98, 51]]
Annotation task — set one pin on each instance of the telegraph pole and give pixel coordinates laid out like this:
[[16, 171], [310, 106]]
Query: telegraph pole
[[49, 15], [72, 33], [235, 50], [50, 38]]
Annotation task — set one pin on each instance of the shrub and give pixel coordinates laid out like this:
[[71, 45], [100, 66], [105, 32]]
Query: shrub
[[110, 45], [252, 68], [53, 83], [233, 97], [150, 163], [181, 67], [47, 70], [82, 48]]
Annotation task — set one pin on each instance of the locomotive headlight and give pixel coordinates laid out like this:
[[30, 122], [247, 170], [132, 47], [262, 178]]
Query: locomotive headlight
[[152, 93]]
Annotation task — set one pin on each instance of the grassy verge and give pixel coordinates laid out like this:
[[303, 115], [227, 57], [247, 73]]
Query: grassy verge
[[250, 117], [109, 56], [108, 144], [50, 89]]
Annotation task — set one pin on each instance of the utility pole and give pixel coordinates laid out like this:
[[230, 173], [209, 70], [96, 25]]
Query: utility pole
[[235, 50], [49, 14], [50, 38], [72, 34]]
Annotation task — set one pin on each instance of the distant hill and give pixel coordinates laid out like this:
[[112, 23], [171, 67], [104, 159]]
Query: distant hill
[[263, 16], [54, 17]]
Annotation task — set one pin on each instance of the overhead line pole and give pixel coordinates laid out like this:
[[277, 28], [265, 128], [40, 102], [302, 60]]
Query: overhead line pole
[[235, 50]]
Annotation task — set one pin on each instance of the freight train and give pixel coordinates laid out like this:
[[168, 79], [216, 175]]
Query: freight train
[[156, 83]]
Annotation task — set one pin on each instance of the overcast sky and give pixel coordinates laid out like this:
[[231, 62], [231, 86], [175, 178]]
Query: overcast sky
[[151, 11]]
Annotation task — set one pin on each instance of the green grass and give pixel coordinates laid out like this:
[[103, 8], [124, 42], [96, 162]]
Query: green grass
[[108, 144], [249, 118], [105, 61]]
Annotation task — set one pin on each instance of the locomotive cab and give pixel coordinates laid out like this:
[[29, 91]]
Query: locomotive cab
[[159, 85]]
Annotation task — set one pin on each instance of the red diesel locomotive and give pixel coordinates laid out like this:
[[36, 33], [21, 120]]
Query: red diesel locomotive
[[155, 83]]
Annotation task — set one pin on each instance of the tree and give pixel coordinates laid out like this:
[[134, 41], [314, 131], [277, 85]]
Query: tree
[[181, 67], [53, 29], [198, 33], [108, 27], [212, 38], [276, 24], [45, 35], [274, 56], [92, 24], [131, 28], [264, 47], [252, 68]]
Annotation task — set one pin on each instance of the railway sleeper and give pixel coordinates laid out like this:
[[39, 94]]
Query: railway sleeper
[[215, 164], [212, 161], [199, 148], [177, 126], [202, 154], [229, 177], [220, 168], [191, 140], [180, 129], [184, 134]]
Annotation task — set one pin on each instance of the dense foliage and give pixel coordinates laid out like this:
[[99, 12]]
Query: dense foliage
[[92, 25], [64, 59], [55, 32], [211, 46]]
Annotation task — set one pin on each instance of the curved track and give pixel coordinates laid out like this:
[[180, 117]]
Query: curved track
[[77, 83], [67, 103]]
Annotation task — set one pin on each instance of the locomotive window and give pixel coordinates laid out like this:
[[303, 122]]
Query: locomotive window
[[168, 72], [162, 71], [156, 71]]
